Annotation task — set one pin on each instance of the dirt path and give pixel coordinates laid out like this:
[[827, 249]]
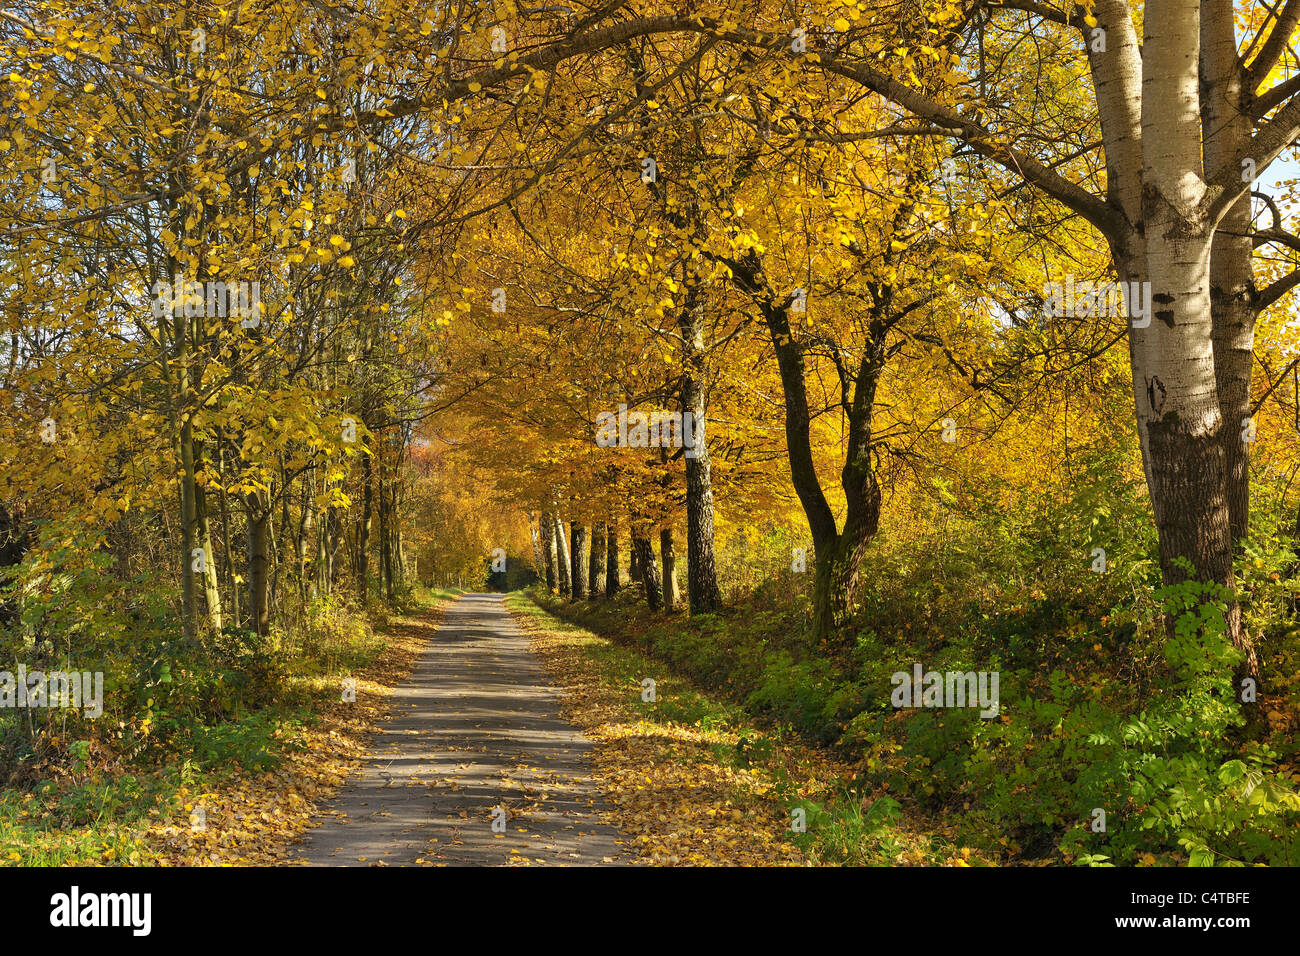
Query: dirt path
[[477, 727]]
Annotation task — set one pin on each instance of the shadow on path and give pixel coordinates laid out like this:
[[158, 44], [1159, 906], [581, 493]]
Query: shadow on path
[[476, 727]]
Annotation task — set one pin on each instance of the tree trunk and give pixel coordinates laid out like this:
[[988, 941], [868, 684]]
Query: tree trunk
[[539, 563], [386, 537], [1225, 112], [363, 531], [1176, 393], [839, 556], [596, 571], [398, 532], [672, 596], [702, 573], [578, 561], [647, 569], [828, 599], [548, 541], [611, 561], [562, 555], [189, 599], [1176, 399], [211, 586], [840, 580], [322, 552], [259, 578], [228, 542], [306, 535], [335, 538]]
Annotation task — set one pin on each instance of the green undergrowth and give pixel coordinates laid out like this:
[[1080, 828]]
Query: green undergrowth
[[1114, 741], [844, 825], [178, 718]]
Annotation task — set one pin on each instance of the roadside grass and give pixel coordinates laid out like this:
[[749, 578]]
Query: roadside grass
[[232, 793], [696, 781]]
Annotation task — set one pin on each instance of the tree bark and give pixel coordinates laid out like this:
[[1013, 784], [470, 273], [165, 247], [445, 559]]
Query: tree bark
[[1226, 106], [337, 538], [363, 529], [578, 561], [203, 539], [548, 541], [596, 571], [306, 538], [386, 537], [1176, 392], [611, 561], [839, 554], [647, 570], [395, 484], [561, 555], [189, 598], [228, 542], [539, 563], [702, 573], [259, 577], [672, 595]]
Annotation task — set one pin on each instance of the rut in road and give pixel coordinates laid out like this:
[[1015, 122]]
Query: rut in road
[[476, 727]]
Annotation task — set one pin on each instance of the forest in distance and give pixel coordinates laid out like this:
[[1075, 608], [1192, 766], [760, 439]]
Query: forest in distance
[[857, 433]]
